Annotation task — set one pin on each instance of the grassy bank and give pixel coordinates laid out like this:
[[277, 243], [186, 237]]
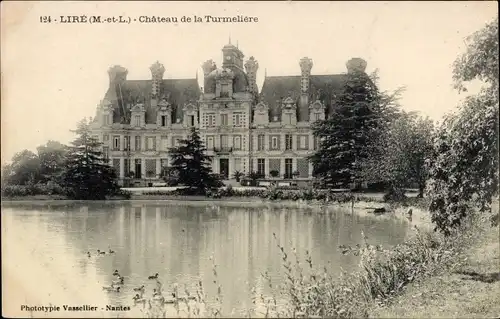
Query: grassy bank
[[469, 289]]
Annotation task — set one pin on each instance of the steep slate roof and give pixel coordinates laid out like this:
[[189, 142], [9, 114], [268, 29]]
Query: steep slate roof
[[277, 88], [177, 92]]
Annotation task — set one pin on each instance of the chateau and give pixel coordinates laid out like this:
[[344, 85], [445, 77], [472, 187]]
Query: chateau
[[244, 129]]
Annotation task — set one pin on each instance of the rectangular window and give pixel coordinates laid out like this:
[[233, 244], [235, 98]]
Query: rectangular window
[[151, 143], [105, 152], [116, 143], [288, 142], [223, 141], [150, 168], [261, 166], [205, 120], [163, 120], [138, 168], [126, 167], [126, 142], [288, 119], [238, 119], [237, 164], [105, 137], [106, 119], [260, 142], [317, 117], [210, 142], [191, 120], [303, 167], [288, 167], [274, 142], [237, 142], [164, 143], [303, 142], [137, 143], [223, 119], [137, 120], [210, 120], [163, 166]]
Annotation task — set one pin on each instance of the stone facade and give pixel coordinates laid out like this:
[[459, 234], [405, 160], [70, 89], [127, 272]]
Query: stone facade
[[244, 130]]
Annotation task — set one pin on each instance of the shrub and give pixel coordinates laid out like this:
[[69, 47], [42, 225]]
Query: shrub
[[124, 194], [50, 188]]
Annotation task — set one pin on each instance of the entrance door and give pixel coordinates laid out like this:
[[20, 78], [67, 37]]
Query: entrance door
[[224, 167], [288, 168]]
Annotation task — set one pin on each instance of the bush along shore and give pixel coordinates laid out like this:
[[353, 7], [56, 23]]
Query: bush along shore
[[54, 191], [47, 191]]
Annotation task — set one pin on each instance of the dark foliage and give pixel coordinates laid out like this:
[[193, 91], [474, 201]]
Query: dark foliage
[[346, 135], [192, 166], [88, 175]]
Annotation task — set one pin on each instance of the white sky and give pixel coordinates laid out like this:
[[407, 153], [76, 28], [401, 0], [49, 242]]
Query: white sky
[[55, 74]]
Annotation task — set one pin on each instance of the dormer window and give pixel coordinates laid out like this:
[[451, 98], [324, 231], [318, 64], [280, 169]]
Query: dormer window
[[163, 120], [224, 90], [317, 112], [137, 120]]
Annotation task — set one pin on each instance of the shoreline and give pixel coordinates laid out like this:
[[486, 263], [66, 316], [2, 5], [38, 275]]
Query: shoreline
[[363, 208], [467, 290]]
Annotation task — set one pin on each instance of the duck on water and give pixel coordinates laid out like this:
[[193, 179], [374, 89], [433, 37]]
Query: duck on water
[[112, 288], [155, 276], [141, 288]]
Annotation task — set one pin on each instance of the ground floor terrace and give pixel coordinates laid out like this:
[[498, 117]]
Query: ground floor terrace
[[141, 171]]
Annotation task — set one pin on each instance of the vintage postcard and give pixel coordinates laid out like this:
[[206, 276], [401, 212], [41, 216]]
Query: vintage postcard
[[249, 159]]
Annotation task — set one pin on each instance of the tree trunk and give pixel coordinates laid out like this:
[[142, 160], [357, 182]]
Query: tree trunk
[[421, 187]]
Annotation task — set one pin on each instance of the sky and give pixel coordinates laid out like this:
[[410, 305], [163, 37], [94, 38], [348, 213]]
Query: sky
[[54, 74]]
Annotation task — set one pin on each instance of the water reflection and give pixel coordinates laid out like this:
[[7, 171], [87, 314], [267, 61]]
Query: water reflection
[[177, 241]]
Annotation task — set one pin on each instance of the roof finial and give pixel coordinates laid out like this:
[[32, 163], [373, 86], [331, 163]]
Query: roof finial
[[237, 44], [196, 74], [265, 72], [229, 39]]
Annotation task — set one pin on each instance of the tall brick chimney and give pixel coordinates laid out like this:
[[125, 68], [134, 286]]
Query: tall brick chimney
[[117, 76], [251, 67], [306, 65], [208, 84], [356, 65], [157, 71]]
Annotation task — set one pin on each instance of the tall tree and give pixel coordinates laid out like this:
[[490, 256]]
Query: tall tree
[[24, 169], [52, 158], [191, 165], [464, 172], [88, 175], [404, 149], [347, 135]]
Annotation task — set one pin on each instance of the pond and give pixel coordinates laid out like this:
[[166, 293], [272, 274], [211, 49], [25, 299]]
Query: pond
[[45, 261]]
